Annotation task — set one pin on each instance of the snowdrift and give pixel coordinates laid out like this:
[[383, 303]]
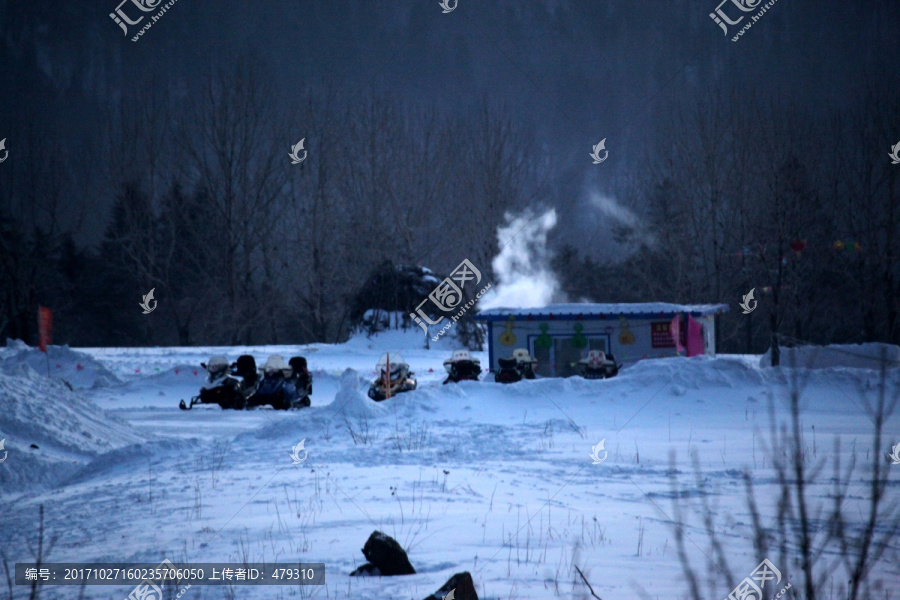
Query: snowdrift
[[853, 356], [350, 401], [79, 369], [417, 466], [50, 430]]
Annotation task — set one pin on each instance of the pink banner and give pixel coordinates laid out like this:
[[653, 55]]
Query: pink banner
[[694, 337], [675, 329]]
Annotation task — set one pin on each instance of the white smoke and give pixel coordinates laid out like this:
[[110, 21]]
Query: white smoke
[[522, 268], [613, 209]]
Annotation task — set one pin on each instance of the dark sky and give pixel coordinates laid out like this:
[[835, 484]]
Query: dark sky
[[574, 71]]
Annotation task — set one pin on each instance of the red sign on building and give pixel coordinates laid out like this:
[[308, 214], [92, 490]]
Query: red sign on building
[[661, 335]]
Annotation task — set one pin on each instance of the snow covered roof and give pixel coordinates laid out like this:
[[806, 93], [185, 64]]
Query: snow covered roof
[[638, 310]]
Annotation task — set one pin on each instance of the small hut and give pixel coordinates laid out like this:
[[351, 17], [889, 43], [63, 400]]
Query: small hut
[[558, 336]]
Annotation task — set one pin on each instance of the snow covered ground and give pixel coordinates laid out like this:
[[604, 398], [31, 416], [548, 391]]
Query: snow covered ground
[[492, 479]]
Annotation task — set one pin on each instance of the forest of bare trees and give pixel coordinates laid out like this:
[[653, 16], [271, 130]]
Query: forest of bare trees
[[745, 193], [242, 246]]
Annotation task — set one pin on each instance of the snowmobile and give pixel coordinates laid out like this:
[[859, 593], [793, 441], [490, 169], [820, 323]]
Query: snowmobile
[[520, 366], [461, 366], [229, 386], [394, 377], [598, 365], [277, 387]]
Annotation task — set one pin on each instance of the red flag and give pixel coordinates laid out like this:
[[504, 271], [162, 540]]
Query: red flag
[[45, 328], [675, 330]]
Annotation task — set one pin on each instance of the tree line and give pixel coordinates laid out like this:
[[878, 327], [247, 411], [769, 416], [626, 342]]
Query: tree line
[[735, 193], [241, 245], [744, 193]]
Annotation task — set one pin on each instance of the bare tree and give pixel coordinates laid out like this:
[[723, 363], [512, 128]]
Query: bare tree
[[231, 147], [496, 176], [326, 253], [787, 220], [825, 542], [867, 194]]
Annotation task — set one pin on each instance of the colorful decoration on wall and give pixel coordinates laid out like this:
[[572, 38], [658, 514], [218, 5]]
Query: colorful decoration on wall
[[543, 341], [507, 338], [578, 340], [626, 338]]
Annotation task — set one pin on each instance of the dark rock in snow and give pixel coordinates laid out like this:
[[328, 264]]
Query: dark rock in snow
[[366, 570], [386, 555], [461, 585]]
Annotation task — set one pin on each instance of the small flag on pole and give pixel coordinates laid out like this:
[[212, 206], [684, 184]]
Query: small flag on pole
[[45, 328]]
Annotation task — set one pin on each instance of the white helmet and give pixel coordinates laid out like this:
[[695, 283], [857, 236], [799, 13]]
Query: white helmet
[[521, 355], [216, 364], [276, 363]]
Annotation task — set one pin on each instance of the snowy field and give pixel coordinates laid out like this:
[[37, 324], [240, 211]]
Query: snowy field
[[480, 477]]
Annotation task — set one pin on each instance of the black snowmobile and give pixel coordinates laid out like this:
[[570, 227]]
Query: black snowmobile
[[279, 385], [394, 377], [461, 366], [229, 386], [598, 365], [520, 366]]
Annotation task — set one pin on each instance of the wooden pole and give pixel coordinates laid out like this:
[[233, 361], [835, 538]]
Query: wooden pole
[[387, 377]]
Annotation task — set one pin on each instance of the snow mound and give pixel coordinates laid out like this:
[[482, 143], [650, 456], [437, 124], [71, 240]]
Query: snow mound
[[79, 369], [49, 430], [393, 340], [853, 356], [350, 401]]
